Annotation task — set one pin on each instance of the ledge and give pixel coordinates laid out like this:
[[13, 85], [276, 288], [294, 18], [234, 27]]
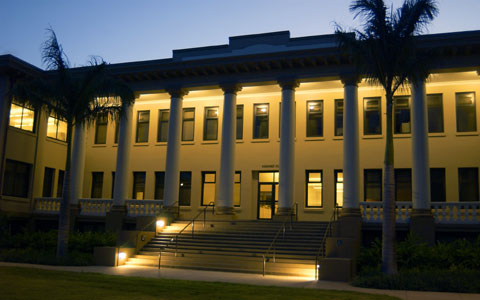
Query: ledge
[[437, 134], [56, 141], [402, 135], [372, 137], [209, 142], [161, 144], [187, 143], [99, 145], [471, 133], [317, 138], [260, 140], [338, 138], [140, 145]]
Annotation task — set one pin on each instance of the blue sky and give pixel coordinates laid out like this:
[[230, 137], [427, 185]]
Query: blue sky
[[122, 31]]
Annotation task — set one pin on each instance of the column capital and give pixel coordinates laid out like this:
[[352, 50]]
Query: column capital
[[350, 79], [288, 83], [177, 92], [230, 87]]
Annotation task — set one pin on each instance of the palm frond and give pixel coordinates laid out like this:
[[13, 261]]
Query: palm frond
[[53, 55]]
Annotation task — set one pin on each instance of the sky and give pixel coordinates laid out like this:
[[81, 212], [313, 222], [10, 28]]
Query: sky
[[135, 30]]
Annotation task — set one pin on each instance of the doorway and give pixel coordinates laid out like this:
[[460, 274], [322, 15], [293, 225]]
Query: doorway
[[267, 195]]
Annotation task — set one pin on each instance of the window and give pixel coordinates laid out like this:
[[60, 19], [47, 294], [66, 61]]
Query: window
[[143, 120], [22, 117], [188, 126], [184, 194], [236, 188], [208, 187], [16, 179], [466, 115], [48, 180], [97, 184], [61, 175], [163, 117], [138, 185], [372, 121], [260, 121], [240, 122], [403, 185], [338, 188], [435, 113], [372, 185], [338, 117], [314, 189], [57, 129], [401, 115], [467, 184], [113, 184], [159, 185], [117, 129], [437, 185], [101, 130], [210, 128], [314, 118]]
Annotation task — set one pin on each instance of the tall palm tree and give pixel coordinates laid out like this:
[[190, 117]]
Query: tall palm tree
[[78, 97], [385, 52]]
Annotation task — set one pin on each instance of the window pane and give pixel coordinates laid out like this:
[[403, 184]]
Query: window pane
[[314, 188], [142, 126], [373, 185], [138, 185], [403, 185], [239, 122], [61, 175], [339, 117], [97, 184], [16, 178], [371, 118], [236, 189], [401, 106], [52, 127], [210, 132], [314, 118], [208, 187], [101, 130], [188, 124], [468, 184], [435, 113], [466, 115], [209, 177], [22, 117], [16, 112], [437, 185], [48, 180], [117, 129], [260, 122], [163, 126], [159, 185], [62, 130], [185, 188], [28, 119], [315, 177], [339, 188], [265, 177]]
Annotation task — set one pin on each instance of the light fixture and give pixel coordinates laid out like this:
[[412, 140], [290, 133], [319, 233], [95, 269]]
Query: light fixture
[[160, 224], [263, 109], [122, 255]]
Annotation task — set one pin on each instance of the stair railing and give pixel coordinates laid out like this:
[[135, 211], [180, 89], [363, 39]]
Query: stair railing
[[192, 222], [272, 247], [328, 232]]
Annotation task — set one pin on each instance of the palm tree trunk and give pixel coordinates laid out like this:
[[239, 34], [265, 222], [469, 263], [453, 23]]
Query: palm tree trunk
[[389, 264], [64, 216]]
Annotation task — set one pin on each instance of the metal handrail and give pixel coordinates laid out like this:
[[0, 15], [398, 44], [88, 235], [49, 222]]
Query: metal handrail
[[281, 229], [192, 222], [328, 232]]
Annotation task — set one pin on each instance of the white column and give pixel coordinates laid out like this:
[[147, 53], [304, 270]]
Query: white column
[[227, 156], [172, 172], [420, 163], [122, 171], [351, 169], [287, 148], [78, 164]]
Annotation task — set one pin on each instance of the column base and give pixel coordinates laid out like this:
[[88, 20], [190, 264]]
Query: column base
[[349, 224], [114, 218], [422, 224], [224, 210], [284, 211]]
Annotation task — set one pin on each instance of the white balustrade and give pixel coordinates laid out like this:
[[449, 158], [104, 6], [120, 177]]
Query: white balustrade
[[456, 212], [138, 208], [95, 207], [47, 205], [372, 212]]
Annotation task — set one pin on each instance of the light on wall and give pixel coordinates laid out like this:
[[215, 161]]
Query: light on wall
[[160, 224], [122, 255]]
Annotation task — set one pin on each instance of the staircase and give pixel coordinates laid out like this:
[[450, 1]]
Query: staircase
[[236, 246]]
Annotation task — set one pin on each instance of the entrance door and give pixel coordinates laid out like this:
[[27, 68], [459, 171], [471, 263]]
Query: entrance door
[[267, 194]]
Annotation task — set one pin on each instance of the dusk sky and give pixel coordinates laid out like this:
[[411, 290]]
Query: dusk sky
[[123, 31]]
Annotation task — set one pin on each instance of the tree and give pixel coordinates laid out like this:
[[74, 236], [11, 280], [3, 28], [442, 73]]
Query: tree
[[386, 52], [77, 96]]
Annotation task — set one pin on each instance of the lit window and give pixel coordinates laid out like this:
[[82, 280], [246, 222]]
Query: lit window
[[97, 184], [401, 119], [210, 128], [159, 185], [185, 191], [260, 121], [372, 124], [468, 184], [435, 113], [339, 188], [314, 118], [57, 129], [437, 185], [188, 127], [143, 121], [314, 189], [48, 180], [466, 115], [208, 187], [403, 185], [236, 188], [338, 117], [138, 185], [163, 117], [240, 122], [16, 178], [22, 117], [372, 185], [101, 130]]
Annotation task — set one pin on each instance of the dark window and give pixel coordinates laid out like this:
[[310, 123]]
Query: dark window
[[101, 130], [22, 117], [159, 185], [117, 129], [237, 188], [260, 121], [208, 187], [314, 188], [48, 180], [314, 118], [61, 176], [435, 113], [467, 184], [338, 117], [240, 122], [372, 121], [97, 184], [16, 179], [401, 117], [466, 115], [437, 185], [338, 188], [372, 185], [143, 121], [403, 185], [210, 128], [138, 185], [184, 194], [188, 124], [163, 117], [113, 184]]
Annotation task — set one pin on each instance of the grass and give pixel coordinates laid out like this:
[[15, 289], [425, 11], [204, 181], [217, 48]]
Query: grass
[[30, 283]]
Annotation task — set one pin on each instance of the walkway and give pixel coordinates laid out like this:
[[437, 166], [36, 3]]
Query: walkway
[[255, 279]]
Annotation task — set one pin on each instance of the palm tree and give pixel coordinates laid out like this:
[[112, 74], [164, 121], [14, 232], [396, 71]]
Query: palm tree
[[78, 97], [385, 52]]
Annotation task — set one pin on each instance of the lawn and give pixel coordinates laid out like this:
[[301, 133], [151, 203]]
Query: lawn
[[30, 283]]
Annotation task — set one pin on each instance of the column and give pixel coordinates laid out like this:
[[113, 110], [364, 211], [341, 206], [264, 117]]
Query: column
[[172, 172], [227, 156], [287, 148], [4, 112], [122, 171], [78, 164]]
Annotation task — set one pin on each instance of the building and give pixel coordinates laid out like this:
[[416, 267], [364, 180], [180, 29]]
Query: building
[[263, 126]]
